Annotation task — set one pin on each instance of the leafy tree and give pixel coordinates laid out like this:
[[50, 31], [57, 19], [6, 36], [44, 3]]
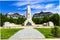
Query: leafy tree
[[59, 20], [3, 19], [45, 19], [15, 21], [55, 19], [11, 20], [20, 20], [37, 20]]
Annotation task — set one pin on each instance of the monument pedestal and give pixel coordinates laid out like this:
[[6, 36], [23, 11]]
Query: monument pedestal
[[29, 22]]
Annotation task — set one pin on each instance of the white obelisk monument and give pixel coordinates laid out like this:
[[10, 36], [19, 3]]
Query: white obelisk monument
[[28, 12], [28, 16]]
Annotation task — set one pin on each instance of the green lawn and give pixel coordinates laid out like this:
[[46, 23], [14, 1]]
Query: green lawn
[[6, 33], [46, 32]]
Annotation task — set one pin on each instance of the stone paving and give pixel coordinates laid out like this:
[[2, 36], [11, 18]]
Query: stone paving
[[27, 33]]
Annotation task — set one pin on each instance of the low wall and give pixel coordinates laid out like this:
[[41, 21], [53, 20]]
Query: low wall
[[28, 27], [34, 39]]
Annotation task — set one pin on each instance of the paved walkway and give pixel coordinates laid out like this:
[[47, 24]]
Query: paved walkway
[[27, 33]]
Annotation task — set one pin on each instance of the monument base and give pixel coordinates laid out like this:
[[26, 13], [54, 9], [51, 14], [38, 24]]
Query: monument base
[[29, 22]]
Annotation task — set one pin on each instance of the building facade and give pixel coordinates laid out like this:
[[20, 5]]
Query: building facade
[[42, 14], [14, 15]]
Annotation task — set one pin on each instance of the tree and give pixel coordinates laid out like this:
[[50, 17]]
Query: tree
[[11, 20], [59, 20], [55, 19], [37, 20], [15, 21], [3, 19], [20, 20], [45, 19]]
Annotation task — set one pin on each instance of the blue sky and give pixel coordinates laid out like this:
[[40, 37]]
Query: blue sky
[[37, 6]]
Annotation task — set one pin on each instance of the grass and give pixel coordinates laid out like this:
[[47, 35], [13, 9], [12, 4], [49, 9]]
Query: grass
[[6, 33], [46, 32]]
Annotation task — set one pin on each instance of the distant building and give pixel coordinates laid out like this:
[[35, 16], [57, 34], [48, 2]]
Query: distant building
[[42, 14], [14, 15]]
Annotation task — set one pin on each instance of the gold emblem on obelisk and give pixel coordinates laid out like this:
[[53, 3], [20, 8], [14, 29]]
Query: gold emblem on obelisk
[[28, 13]]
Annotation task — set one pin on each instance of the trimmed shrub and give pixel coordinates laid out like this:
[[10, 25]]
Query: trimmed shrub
[[56, 31]]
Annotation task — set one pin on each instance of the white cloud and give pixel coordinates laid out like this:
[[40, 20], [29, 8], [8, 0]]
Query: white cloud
[[21, 8], [58, 7], [19, 4], [24, 2], [54, 9], [48, 6], [35, 5]]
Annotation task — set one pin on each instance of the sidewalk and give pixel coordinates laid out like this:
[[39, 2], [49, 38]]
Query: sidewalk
[[27, 33]]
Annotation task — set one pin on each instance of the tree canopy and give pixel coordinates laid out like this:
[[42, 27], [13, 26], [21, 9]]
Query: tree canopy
[[55, 18]]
